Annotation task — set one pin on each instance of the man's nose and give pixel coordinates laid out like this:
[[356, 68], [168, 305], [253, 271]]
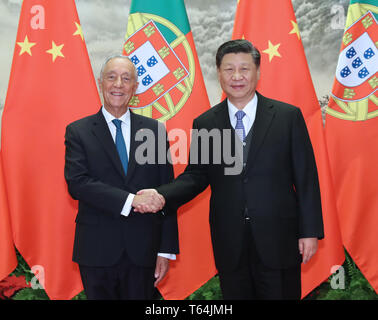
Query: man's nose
[[118, 82], [236, 75]]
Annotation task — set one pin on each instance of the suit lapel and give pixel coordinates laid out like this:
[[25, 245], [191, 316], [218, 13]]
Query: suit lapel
[[101, 130], [222, 117], [264, 116], [136, 124]]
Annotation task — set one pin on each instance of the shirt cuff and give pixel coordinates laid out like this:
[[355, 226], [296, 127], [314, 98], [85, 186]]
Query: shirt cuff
[[169, 256], [128, 205]]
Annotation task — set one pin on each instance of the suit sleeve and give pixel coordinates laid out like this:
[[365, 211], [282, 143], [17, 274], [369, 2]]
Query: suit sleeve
[[84, 187], [169, 230], [190, 183], [306, 181]]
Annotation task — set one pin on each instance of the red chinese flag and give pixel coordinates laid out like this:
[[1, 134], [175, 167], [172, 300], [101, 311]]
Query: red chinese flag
[[171, 89], [271, 26], [352, 137], [51, 84], [8, 260]]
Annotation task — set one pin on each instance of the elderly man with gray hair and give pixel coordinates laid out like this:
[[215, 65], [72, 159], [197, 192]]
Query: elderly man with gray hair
[[121, 253]]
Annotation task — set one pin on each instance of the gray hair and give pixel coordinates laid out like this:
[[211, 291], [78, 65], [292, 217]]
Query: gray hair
[[114, 56]]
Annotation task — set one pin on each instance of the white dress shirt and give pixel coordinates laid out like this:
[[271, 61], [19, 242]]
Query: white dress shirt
[[126, 132], [125, 126]]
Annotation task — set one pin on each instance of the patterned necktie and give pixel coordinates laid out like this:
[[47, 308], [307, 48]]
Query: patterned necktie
[[239, 128], [121, 145]]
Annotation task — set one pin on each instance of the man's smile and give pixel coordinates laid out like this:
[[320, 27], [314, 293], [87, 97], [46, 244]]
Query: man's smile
[[117, 94]]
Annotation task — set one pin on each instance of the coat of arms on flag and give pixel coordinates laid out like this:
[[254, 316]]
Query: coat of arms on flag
[[358, 60], [158, 66], [356, 73]]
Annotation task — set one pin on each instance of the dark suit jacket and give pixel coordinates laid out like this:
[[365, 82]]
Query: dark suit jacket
[[95, 177], [278, 187]]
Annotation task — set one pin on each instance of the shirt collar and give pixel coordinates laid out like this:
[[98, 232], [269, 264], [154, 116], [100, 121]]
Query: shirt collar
[[109, 117], [249, 109]]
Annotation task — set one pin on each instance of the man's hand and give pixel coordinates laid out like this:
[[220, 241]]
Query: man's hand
[[161, 269], [307, 248], [148, 200]]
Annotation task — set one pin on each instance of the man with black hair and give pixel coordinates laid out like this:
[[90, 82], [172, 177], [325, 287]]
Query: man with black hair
[[267, 219]]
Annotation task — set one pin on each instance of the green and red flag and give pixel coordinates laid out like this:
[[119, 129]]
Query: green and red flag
[[352, 136], [272, 27], [51, 84], [171, 89], [8, 260]]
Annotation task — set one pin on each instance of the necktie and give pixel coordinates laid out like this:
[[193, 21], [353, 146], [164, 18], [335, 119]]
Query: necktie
[[239, 128], [121, 145]]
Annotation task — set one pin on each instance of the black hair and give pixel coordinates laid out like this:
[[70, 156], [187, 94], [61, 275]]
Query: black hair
[[237, 46]]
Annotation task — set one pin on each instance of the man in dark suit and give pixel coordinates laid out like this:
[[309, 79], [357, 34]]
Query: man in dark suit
[[119, 251], [266, 219]]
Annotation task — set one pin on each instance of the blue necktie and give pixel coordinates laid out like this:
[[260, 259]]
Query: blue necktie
[[239, 128], [121, 145]]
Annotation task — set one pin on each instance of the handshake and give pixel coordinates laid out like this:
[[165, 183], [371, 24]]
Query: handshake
[[148, 200]]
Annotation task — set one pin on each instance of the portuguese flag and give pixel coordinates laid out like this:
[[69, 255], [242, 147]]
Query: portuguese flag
[[352, 136], [171, 89], [51, 84]]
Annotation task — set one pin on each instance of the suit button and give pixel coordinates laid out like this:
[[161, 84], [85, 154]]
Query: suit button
[[247, 217], [245, 180]]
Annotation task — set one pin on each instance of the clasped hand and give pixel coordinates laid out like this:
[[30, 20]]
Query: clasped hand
[[148, 200]]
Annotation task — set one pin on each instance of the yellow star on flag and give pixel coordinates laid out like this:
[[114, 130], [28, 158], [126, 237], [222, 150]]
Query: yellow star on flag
[[56, 51], [26, 46], [272, 51], [295, 29], [79, 31]]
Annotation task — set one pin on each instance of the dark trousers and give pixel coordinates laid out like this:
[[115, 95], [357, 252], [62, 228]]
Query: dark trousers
[[123, 281], [254, 281]]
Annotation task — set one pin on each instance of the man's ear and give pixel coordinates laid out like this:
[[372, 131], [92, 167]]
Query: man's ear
[[218, 74], [99, 85], [136, 87]]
